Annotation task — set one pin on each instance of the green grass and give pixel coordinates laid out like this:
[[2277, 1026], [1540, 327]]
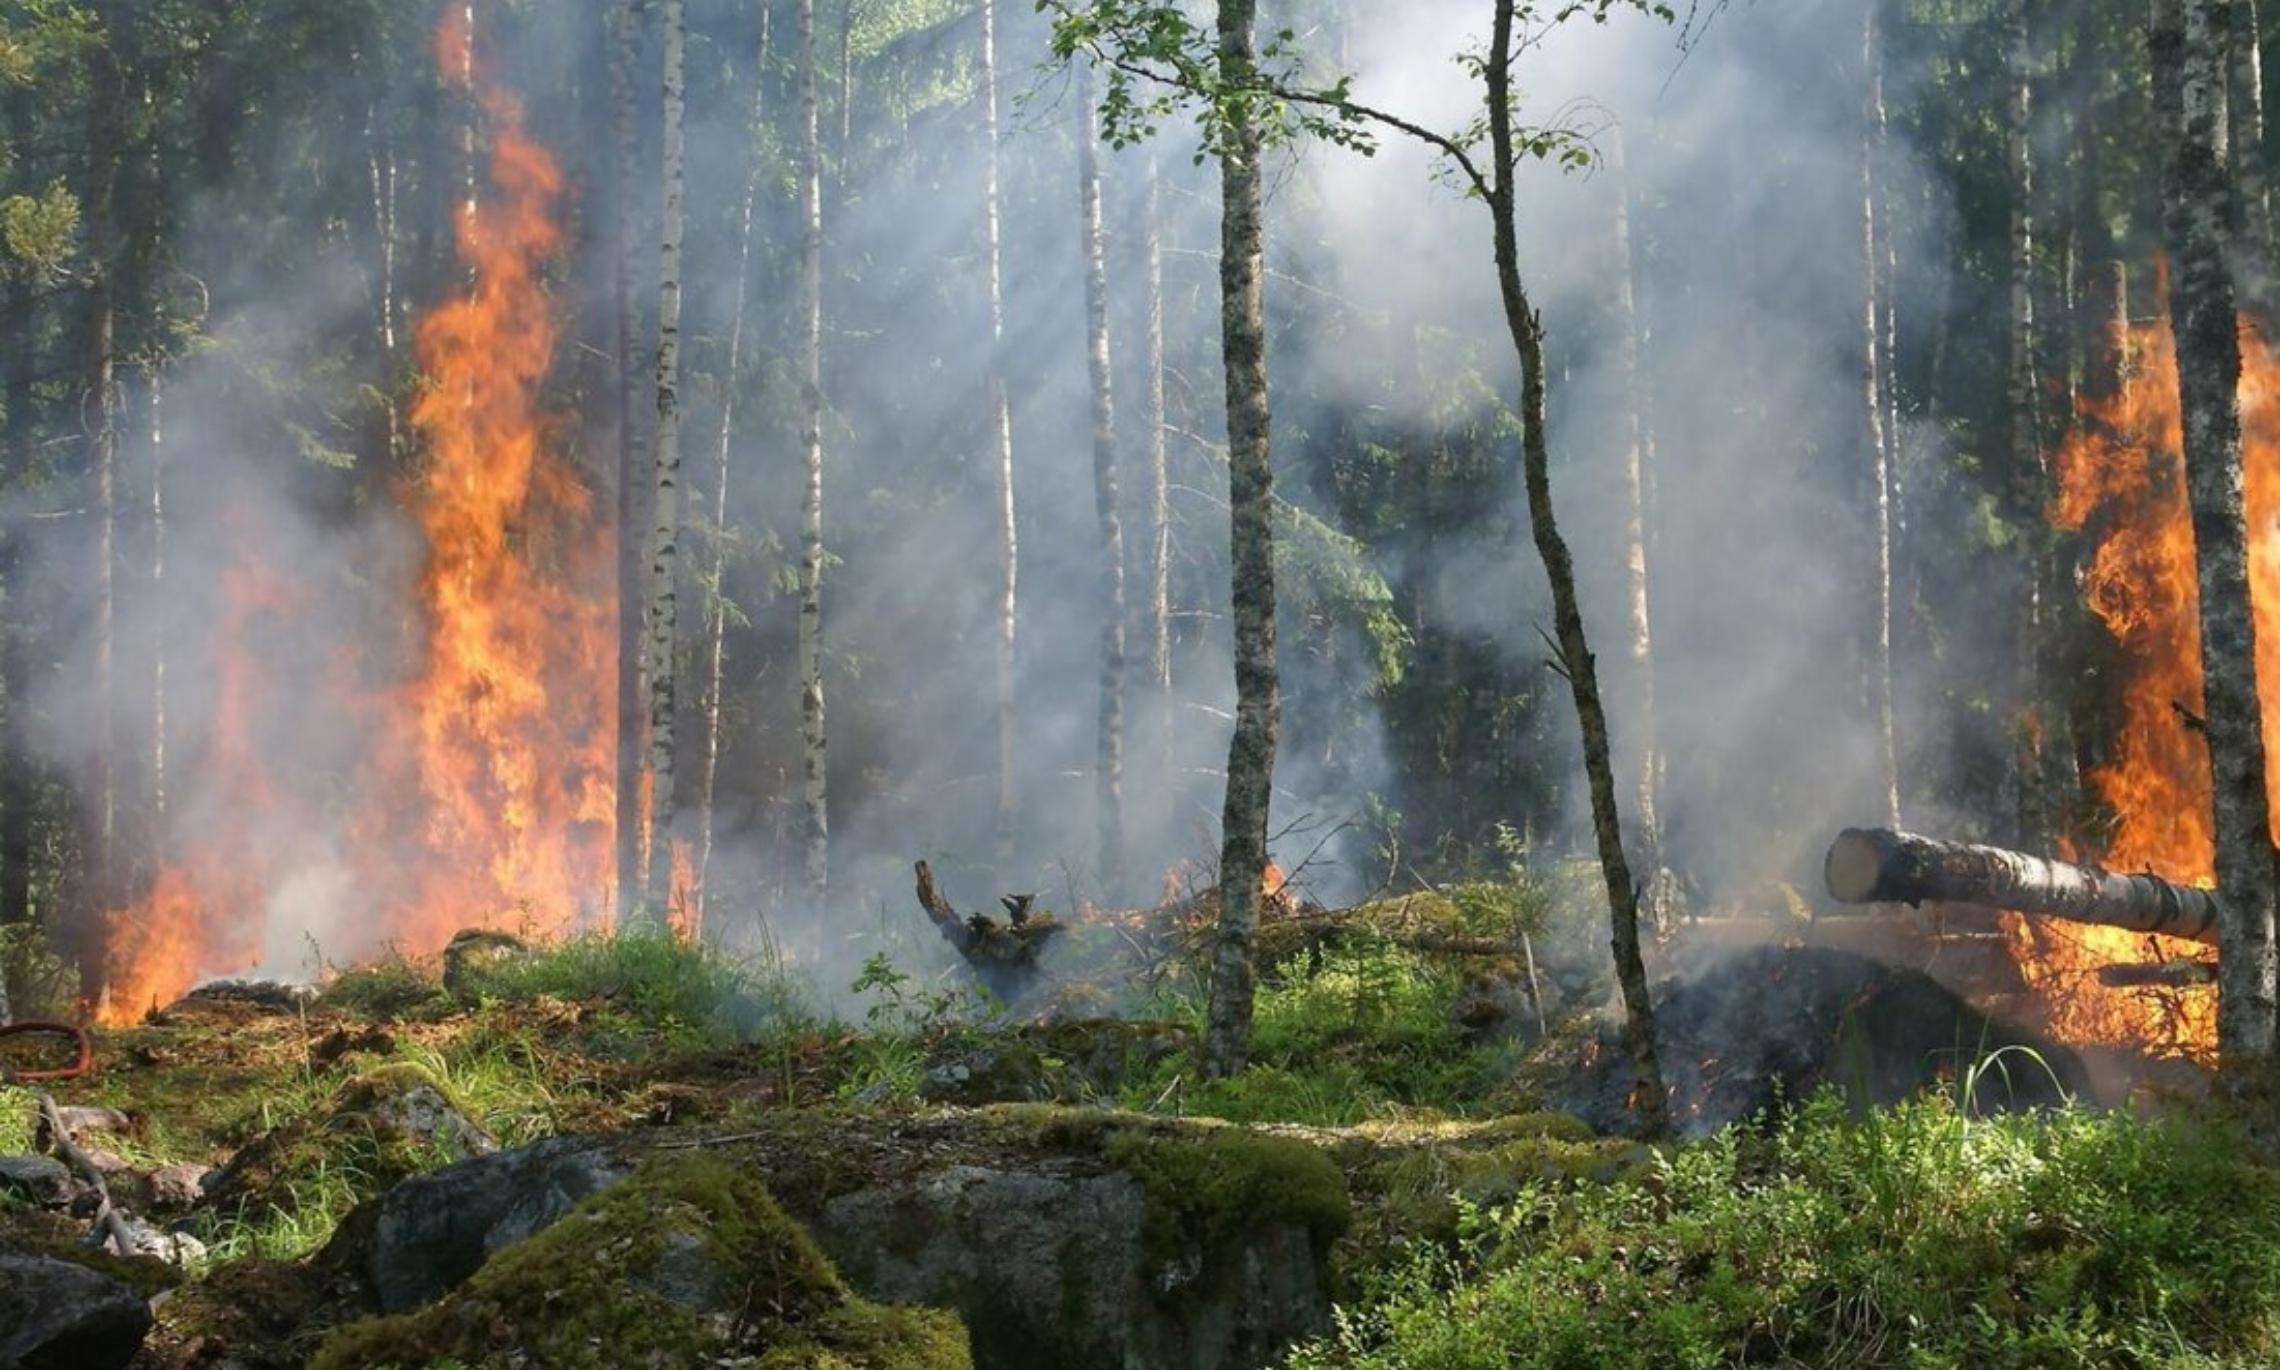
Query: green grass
[[694, 995], [1364, 1030], [1915, 1237]]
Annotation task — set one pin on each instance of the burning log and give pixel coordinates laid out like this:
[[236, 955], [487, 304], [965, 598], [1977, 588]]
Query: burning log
[[1004, 955], [1878, 866]]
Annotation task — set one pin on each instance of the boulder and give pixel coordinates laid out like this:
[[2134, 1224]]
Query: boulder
[[686, 1261], [57, 1315], [41, 1180], [1060, 1236]]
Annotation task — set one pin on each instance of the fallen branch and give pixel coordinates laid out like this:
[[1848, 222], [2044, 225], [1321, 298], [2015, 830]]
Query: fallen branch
[[2183, 973], [108, 1222]]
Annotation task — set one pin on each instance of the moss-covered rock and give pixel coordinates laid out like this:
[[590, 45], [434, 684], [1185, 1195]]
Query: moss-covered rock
[[686, 1261], [390, 1122]]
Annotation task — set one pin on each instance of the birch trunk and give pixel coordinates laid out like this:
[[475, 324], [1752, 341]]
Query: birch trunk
[[632, 479], [1250, 490], [1001, 454], [2197, 223], [1108, 757], [158, 641], [99, 404], [1881, 435], [1647, 831], [18, 785], [665, 533], [2024, 434], [716, 611], [1576, 662], [1161, 745], [2244, 111], [814, 825]]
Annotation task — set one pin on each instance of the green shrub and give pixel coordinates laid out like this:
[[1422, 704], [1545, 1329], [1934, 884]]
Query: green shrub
[[1916, 1237]]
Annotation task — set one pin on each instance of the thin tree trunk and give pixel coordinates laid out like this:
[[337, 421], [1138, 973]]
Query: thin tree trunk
[[99, 411], [1001, 453], [2244, 109], [2025, 440], [159, 621], [1108, 757], [846, 76], [665, 511], [17, 783], [1159, 531], [1647, 832], [2197, 226], [1559, 568], [380, 158], [1250, 499], [716, 613], [632, 481], [1881, 438], [815, 826]]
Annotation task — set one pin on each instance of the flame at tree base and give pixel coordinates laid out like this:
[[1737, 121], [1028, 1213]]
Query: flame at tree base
[[2121, 483], [473, 784]]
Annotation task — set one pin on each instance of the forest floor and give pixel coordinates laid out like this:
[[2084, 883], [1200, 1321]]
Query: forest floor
[[1383, 1188]]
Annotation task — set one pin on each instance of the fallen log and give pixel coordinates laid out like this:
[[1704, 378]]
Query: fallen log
[[2179, 974], [1879, 866]]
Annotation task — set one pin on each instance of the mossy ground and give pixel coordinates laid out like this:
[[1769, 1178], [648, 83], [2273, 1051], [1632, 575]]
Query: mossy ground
[[687, 1262]]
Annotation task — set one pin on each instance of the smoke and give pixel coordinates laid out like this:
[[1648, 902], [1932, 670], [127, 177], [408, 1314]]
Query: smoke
[[1742, 173]]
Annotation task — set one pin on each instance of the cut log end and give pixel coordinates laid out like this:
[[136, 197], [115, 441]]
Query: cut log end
[[1854, 865]]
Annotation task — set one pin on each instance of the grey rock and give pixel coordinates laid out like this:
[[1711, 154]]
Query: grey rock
[[55, 1315], [41, 1180], [433, 1231], [180, 1185]]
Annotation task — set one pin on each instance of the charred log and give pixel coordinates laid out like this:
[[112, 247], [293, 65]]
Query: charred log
[[1003, 955], [2183, 973], [1879, 866]]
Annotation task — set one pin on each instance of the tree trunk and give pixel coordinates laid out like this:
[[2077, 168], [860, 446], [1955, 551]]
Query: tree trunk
[[2244, 110], [99, 406], [18, 785], [632, 482], [665, 535], [1878, 866], [1001, 453], [159, 621], [815, 826], [1108, 756], [1250, 499], [1647, 832], [1159, 468], [1575, 653], [1881, 436], [716, 612], [846, 75], [2025, 441], [2197, 223]]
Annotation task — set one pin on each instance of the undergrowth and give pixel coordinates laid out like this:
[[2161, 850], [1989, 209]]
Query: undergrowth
[[1914, 1237], [1363, 1029]]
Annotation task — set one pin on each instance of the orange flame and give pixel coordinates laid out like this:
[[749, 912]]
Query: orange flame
[[2121, 478], [483, 790]]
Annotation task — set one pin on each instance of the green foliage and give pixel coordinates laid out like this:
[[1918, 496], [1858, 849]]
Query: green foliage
[[1363, 1029], [1324, 572], [1207, 1191], [40, 231], [693, 994], [1917, 1237], [908, 1021]]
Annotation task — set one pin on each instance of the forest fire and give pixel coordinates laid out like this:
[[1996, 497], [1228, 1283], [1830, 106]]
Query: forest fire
[[478, 786], [2121, 481]]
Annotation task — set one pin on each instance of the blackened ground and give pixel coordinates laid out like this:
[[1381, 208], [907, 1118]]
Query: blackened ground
[[1768, 1024]]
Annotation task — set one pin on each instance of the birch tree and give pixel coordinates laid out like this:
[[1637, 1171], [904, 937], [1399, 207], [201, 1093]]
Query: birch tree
[[664, 539], [99, 408], [1108, 753], [1882, 435], [1001, 450], [716, 610], [2244, 114], [2023, 423], [2187, 42], [632, 476], [814, 816]]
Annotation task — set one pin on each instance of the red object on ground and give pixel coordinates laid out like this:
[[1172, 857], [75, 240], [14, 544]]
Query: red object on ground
[[80, 1066]]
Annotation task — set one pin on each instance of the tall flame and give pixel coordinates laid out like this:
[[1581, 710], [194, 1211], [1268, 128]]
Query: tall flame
[[2121, 480], [480, 789]]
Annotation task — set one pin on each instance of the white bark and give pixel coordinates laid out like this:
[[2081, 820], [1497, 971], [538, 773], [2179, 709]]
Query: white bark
[[815, 825]]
